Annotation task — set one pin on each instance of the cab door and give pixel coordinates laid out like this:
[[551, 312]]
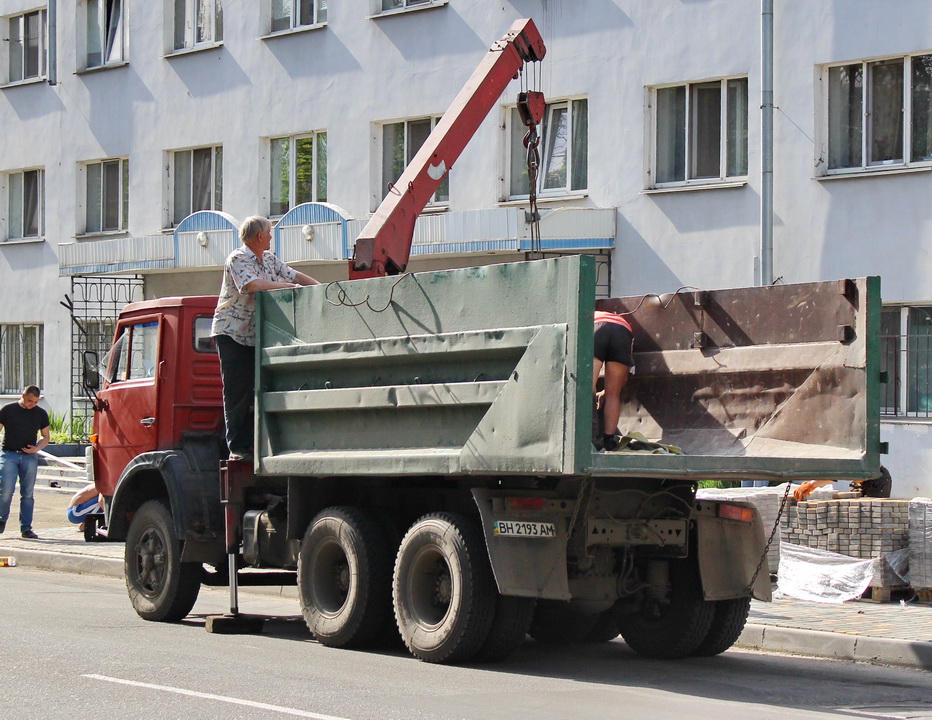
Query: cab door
[[128, 424]]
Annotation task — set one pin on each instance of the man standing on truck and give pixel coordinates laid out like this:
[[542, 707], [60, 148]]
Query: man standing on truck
[[21, 422], [248, 269], [614, 351]]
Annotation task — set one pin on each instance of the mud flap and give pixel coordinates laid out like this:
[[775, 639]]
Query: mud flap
[[525, 567], [730, 552]]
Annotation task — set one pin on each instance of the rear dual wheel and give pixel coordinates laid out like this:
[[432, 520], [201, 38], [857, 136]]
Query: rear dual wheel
[[444, 593], [344, 578]]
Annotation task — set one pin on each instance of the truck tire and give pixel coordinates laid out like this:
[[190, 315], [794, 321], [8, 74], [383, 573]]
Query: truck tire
[[160, 586], [558, 623], [513, 616], [727, 624], [444, 593], [345, 578], [675, 626]]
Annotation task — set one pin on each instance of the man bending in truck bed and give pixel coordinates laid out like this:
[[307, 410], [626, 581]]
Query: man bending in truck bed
[[248, 269], [614, 351]]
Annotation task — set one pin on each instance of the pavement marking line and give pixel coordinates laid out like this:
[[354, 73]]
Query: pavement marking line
[[219, 698]]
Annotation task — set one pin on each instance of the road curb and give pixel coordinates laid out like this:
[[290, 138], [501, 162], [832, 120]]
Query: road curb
[[836, 646], [65, 562]]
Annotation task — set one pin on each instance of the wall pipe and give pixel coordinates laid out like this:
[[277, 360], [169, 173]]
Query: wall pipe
[[52, 72], [766, 194]]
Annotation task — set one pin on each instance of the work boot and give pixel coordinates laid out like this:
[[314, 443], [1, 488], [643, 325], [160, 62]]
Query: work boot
[[609, 443], [29, 535], [2, 525]]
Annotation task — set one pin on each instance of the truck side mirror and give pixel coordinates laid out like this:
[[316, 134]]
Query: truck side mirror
[[91, 376]]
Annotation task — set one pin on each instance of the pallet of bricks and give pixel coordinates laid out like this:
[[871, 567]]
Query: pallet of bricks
[[867, 528], [920, 548]]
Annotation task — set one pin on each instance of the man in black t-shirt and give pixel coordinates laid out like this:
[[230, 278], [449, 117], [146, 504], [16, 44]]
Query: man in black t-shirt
[[22, 422]]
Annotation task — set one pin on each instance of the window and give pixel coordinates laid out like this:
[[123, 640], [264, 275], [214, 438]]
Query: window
[[564, 150], [107, 208], [400, 4], [134, 355], [290, 14], [700, 132], [27, 43], [879, 113], [400, 143], [21, 354], [26, 204], [906, 356], [203, 342], [197, 22], [298, 171], [105, 32], [198, 181]]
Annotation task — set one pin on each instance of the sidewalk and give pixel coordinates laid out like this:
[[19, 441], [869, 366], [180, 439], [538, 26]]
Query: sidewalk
[[895, 633]]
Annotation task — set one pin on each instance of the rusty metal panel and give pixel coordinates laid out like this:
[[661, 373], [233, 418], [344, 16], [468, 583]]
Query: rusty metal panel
[[764, 382]]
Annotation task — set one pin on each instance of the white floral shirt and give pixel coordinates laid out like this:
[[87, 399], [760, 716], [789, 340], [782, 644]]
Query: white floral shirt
[[235, 315]]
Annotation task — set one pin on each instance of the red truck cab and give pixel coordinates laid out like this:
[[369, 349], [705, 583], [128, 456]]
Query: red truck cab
[[160, 382]]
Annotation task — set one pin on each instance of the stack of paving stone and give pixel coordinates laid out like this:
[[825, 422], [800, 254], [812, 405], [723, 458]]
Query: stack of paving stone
[[920, 545], [862, 528]]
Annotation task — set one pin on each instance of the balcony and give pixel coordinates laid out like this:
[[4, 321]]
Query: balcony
[[320, 232]]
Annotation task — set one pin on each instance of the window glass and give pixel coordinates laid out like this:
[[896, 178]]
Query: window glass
[[322, 167], [400, 143], [304, 170], [281, 185], [890, 359], [919, 361], [706, 128], [203, 342], [21, 357], [297, 175], [112, 186], [104, 32], [736, 131], [144, 353], [671, 134], [94, 198], [886, 112], [281, 15], [921, 122], [16, 205], [197, 22], [198, 181], [556, 154], [563, 149], [845, 115]]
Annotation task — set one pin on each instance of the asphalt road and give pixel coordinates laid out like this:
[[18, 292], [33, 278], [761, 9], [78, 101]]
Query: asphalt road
[[74, 648]]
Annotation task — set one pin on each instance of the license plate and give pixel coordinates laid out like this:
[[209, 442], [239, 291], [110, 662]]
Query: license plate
[[518, 528]]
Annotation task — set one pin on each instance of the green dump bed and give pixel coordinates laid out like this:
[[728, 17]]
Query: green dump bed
[[488, 370]]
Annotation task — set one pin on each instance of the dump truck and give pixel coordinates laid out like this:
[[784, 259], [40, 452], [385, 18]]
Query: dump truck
[[424, 463]]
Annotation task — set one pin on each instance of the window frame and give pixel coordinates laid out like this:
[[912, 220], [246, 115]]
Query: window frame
[[120, 42], [378, 8], [42, 49], [318, 181], [24, 376], [692, 127], [868, 163], [409, 153], [8, 181], [215, 181], [183, 37], [122, 200], [517, 156], [319, 16], [906, 357]]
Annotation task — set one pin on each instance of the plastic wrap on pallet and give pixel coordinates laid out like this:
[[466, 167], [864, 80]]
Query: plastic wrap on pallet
[[827, 577], [920, 542]]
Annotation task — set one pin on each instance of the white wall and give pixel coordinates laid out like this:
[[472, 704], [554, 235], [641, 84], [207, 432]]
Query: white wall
[[358, 71]]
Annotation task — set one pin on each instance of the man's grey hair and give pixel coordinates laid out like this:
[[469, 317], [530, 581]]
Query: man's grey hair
[[252, 226]]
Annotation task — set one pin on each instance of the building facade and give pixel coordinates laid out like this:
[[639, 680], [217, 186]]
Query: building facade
[[138, 134]]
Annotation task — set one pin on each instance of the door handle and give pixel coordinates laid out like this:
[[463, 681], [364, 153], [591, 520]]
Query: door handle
[[148, 422]]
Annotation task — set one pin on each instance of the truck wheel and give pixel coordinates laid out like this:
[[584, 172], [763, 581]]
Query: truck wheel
[[558, 623], [513, 616], [675, 626], [345, 578], [444, 592], [160, 586], [727, 624]]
